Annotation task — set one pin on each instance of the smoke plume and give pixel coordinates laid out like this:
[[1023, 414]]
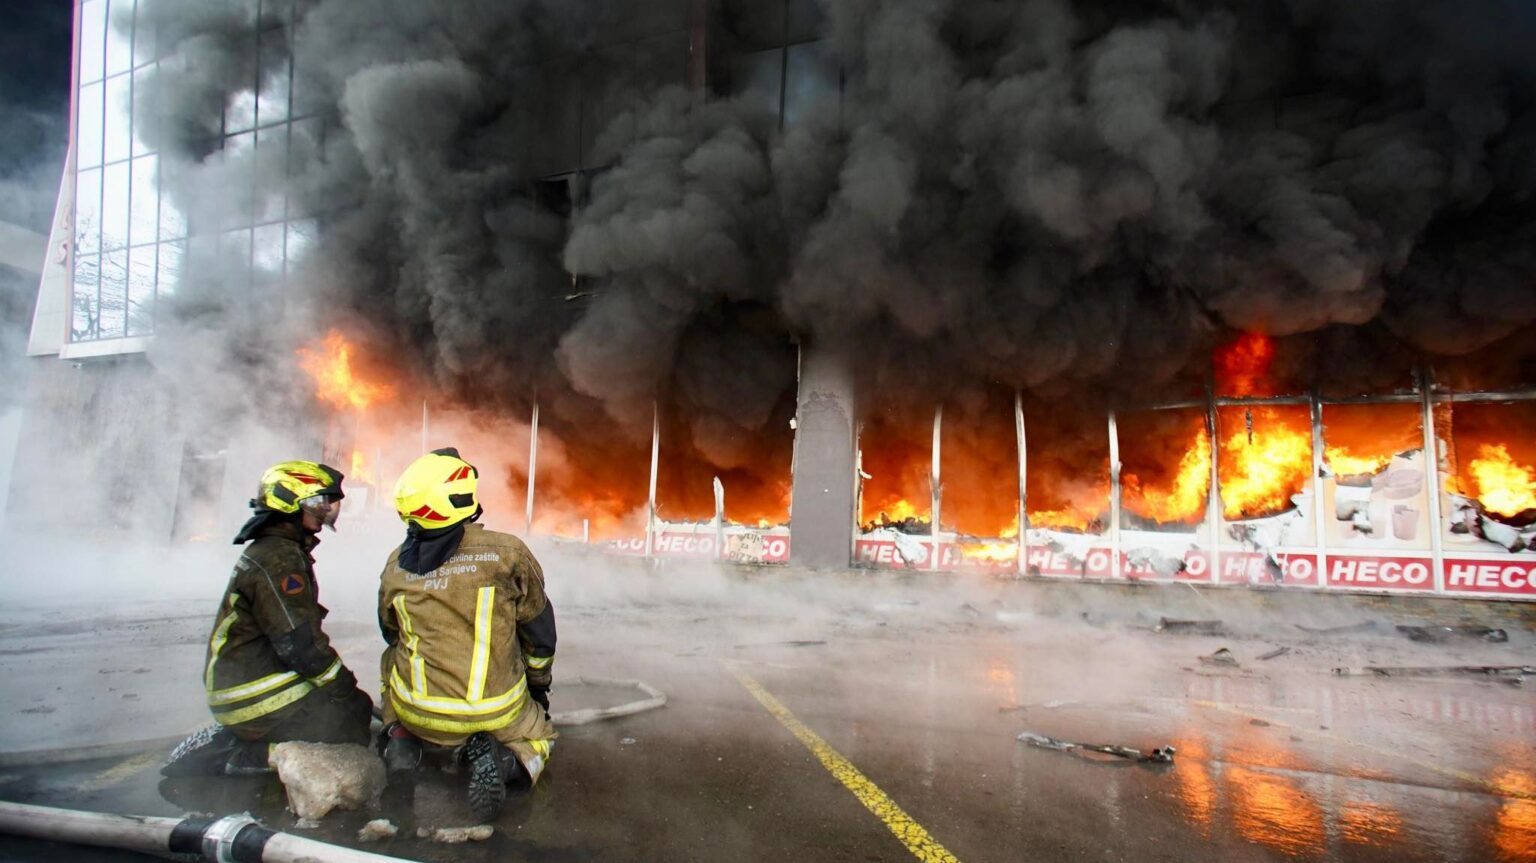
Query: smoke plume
[[519, 201]]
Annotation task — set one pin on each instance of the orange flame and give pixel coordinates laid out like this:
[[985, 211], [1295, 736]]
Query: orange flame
[[1073, 518], [894, 512], [1242, 366], [896, 467], [336, 381], [998, 552], [901, 510], [1185, 500], [1075, 503], [361, 472], [1362, 438], [1261, 469], [1346, 463], [1503, 486]]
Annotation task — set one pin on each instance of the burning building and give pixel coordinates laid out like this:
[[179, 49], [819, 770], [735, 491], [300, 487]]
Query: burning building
[[1236, 294]]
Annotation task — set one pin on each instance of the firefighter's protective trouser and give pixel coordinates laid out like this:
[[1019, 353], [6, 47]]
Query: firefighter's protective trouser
[[530, 736]]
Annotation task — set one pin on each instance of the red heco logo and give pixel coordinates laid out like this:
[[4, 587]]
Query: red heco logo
[[1249, 567], [685, 544], [1490, 576], [771, 548], [1096, 563], [884, 551], [1383, 573]]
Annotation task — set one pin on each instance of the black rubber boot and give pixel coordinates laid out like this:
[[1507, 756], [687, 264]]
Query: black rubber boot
[[488, 766], [248, 759], [204, 753], [400, 748]]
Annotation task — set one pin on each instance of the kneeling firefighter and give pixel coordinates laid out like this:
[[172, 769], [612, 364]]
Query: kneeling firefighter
[[470, 634], [271, 674]]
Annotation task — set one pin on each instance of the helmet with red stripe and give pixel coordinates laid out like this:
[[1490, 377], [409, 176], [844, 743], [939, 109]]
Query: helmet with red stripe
[[437, 490]]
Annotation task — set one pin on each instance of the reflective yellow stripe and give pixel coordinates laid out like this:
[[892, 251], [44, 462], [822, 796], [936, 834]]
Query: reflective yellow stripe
[[216, 644], [542, 747], [538, 662], [460, 706], [452, 726], [481, 658], [252, 689], [412, 643], [328, 675], [265, 706]]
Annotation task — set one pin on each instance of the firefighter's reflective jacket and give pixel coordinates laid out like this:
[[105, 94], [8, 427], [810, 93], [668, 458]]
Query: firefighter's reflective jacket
[[267, 650], [467, 639]]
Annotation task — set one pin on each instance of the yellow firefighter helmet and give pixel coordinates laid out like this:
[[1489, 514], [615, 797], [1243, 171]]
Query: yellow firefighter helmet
[[284, 487], [437, 490]]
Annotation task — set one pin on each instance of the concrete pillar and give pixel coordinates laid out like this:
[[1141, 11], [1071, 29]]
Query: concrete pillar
[[821, 508]]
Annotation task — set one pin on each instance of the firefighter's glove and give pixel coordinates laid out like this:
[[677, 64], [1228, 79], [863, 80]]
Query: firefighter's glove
[[541, 695]]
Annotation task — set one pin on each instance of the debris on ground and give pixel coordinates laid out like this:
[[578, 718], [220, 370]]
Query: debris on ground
[[1363, 626], [456, 835], [1279, 651], [377, 830], [1509, 673], [1442, 634], [320, 777], [1096, 751], [1221, 657], [1190, 627], [1258, 723]]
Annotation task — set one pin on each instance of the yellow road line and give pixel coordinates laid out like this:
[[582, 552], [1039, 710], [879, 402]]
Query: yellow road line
[[911, 834], [119, 772]]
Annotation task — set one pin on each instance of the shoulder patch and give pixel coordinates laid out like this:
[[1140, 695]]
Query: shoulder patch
[[293, 584]]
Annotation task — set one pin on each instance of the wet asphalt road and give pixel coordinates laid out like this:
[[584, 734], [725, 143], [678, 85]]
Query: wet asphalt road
[[923, 694]]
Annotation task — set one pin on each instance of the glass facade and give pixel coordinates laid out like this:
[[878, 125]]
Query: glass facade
[[138, 234], [771, 54], [135, 237]]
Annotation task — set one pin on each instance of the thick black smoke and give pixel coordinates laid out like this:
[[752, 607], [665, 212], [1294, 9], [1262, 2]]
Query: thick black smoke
[[1063, 197]]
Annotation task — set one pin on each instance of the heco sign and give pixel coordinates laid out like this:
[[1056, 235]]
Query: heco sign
[[773, 548], [1491, 576], [1249, 567], [883, 552], [1237, 567], [1380, 573]]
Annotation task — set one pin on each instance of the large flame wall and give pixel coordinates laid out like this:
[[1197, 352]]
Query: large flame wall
[[1274, 509]]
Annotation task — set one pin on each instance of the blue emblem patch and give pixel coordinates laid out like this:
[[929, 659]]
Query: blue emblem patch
[[293, 584]]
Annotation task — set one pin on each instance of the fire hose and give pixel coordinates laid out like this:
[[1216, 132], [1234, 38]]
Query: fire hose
[[654, 698], [234, 838], [231, 839]]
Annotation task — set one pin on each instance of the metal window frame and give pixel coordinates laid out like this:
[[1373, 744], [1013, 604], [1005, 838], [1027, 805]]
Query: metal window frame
[[1426, 394]]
